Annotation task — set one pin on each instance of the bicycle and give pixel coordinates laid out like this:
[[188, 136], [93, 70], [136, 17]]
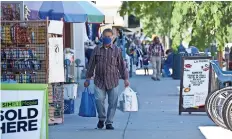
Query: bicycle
[[216, 101]]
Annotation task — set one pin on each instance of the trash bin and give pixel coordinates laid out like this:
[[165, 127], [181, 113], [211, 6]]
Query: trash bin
[[176, 69], [177, 60]]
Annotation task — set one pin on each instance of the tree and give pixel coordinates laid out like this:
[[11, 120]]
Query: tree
[[199, 23]]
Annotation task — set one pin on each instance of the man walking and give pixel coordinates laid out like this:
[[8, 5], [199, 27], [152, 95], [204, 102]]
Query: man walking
[[108, 63], [155, 53]]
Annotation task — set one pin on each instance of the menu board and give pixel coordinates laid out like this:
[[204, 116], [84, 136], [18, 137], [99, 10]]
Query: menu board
[[195, 82]]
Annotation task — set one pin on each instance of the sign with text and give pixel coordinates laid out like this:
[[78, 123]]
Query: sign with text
[[56, 60], [195, 83], [23, 111]]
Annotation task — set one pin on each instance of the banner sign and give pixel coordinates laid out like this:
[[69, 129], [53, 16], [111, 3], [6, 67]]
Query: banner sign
[[194, 83], [24, 111], [56, 60]]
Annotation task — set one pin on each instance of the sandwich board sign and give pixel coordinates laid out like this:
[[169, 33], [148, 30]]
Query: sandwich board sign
[[24, 111], [195, 84]]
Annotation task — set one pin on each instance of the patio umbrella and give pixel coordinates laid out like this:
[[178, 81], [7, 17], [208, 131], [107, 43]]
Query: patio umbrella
[[70, 11]]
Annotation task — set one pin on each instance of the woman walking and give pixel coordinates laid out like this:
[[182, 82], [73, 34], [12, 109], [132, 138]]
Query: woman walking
[[156, 52]]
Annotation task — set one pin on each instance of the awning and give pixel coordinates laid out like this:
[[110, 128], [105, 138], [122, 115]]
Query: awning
[[70, 11]]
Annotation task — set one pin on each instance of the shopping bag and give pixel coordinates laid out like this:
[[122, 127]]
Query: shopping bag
[[137, 95], [87, 106], [128, 101]]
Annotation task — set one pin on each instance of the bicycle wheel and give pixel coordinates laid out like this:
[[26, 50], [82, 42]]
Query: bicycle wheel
[[216, 105], [210, 96], [208, 101], [227, 112]]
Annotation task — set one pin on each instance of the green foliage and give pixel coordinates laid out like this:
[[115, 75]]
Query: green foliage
[[199, 23]]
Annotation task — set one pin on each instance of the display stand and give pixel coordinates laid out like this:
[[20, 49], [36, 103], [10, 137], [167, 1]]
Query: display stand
[[24, 51], [195, 84], [56, 99], [25, 59]]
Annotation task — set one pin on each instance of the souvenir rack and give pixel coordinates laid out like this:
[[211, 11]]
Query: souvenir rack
[[25, 59], [24, 51]]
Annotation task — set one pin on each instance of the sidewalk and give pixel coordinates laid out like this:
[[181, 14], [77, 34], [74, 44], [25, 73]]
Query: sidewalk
[[157, 119]]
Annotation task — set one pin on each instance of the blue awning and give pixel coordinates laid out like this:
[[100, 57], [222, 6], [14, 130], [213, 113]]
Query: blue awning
[[70, 11]]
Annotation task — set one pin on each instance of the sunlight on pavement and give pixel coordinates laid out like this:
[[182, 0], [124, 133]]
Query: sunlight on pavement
[[141, 72], [215, 132]]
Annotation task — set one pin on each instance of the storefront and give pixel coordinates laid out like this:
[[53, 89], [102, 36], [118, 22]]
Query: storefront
[[27, 58]]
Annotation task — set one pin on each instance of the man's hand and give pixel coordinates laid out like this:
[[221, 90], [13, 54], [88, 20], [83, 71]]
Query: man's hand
[[126, 83], [86, 83]]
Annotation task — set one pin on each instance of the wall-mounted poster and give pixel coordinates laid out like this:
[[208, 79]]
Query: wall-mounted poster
[[56, 60], [10, 11], [24, 111], [195, 82]]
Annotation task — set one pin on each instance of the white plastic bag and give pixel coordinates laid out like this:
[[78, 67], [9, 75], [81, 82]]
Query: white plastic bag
[[128, 101], [70, 91]]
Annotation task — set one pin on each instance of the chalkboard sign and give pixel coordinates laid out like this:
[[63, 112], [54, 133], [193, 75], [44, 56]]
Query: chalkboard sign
[[194, 84]]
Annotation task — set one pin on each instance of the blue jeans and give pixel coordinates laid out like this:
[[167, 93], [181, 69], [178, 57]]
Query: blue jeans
[[100, 96], [167, 71]]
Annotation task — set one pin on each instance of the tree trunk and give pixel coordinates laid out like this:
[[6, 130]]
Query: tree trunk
[[220, 58], [164, 42]]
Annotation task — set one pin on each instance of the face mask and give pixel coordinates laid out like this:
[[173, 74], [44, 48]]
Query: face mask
[[106, 40]]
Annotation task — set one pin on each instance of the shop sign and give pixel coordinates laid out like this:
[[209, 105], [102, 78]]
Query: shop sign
[[195, 83], [56, 60], [24, 111]]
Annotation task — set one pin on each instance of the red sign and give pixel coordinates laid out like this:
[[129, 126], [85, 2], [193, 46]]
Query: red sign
[[188, 65]]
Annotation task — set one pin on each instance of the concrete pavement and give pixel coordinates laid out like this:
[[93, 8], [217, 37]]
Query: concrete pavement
[[157, 118]]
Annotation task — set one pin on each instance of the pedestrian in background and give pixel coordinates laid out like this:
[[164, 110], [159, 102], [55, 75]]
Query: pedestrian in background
[[168, 63], [145, 64], [139, 54], [156, 52], [107, 62], [121, 41]]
